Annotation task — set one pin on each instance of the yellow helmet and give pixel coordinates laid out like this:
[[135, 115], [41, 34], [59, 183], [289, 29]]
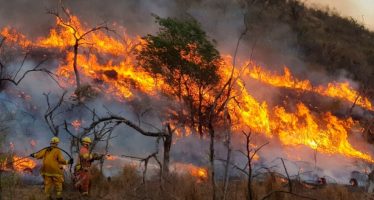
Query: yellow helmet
[[86, 140], [55, 140]]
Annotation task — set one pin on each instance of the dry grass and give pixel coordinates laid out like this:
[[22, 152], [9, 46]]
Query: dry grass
[[129, 186]]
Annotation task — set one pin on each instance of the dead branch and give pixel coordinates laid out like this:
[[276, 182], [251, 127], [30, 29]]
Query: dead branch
[[146, 161], [102, 126], [225, 185], [247, 169], [288, 177], [50, 114], [228, 123], [350, 110], [16, 81], [258, 149], [77, 36], [119, 119]]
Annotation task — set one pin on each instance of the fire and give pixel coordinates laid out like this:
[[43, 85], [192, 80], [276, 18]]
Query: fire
[[304, 128], [23, 164], [13, 36], [325, 133], [109, 61], [200, 173], [18, 164], [112, 157], [337, 90], [120, 78], [76, 124]]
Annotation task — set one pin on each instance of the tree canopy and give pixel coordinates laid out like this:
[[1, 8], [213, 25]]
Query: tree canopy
[[182, 54], [180, 48]]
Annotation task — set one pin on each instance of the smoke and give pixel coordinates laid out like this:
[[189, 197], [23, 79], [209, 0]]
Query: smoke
[[273, 46], [360, 10]]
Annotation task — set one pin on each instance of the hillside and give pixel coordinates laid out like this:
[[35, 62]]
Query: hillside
[[323, 39]]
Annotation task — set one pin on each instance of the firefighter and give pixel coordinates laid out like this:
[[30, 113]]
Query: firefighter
[[83, 168], [52, 170]]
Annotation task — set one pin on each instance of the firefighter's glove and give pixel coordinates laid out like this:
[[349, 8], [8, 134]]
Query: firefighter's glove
[[32, 155], [71, 161]]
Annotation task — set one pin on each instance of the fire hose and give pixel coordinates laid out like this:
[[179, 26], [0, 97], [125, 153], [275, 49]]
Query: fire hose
[[22, 158], [70, 157]]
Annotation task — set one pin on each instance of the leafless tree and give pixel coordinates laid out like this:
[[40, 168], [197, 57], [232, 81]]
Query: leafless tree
[[52, 112], [78, 34], [226, 116], [250, 155], [146, 160], [14, 77], [101, 127]]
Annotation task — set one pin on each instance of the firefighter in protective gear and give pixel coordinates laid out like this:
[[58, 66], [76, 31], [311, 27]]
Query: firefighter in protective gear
[[51, 170], [82, 169]]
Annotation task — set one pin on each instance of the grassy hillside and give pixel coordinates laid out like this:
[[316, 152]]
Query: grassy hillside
[[322, 38]]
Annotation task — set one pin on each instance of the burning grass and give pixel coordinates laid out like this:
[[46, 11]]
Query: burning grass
[[17, 163], [338, 90]]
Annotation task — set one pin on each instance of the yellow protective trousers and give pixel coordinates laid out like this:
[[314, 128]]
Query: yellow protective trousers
[[53, 181]]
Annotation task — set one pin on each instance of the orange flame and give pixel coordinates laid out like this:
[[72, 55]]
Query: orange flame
[[76, 124], [337, 90], [13, 36], [112, 157], [110, 61], [200, 173], [23, 164], [18, 164]]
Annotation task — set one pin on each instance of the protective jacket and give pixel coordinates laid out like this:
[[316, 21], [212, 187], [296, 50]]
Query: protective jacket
[[82, 170], [85, 157], [52, 161]]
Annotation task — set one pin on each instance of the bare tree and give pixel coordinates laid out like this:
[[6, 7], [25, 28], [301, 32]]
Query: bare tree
[[7, 75], [52, 112], [248, 168], [78, 34], [100, 127], [226, 117]]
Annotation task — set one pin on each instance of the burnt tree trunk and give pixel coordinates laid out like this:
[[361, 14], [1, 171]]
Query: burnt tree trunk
[[249, 184], [167, 146], [200, 128], [350, 110], [211, 160], [228, 156], [76, 72]]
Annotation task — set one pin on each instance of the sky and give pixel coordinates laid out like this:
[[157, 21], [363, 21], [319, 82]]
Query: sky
[[361, 10]]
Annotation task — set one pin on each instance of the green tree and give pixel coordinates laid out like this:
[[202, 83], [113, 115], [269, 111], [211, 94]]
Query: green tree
[[188, 61]]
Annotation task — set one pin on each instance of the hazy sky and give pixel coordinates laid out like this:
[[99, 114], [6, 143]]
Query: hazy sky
[[361, 10]]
